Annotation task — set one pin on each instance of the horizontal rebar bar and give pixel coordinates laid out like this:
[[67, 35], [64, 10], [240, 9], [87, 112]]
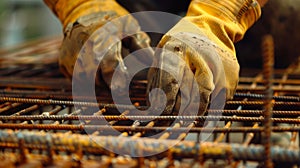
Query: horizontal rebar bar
[[141, 128], [261, 103], [68, 95], [136, 147], [261, 96], [68, 103], [128, 107], [253, 113], [146, 118]]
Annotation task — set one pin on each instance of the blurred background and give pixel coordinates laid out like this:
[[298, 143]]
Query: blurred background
[[26, 20]]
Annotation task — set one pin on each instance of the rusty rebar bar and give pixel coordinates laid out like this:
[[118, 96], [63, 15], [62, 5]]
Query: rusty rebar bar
[[261, 96], [26, 110], [253, 113], [261, 103], [68, 95], [127, 107], [268, 64], [9, 106], [137, 129], [222, 135], [134, 147], [69, 103], [142, 118]]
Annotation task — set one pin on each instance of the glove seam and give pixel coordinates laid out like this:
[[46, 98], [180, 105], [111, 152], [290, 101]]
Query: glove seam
[[244, 6], [249, 5]]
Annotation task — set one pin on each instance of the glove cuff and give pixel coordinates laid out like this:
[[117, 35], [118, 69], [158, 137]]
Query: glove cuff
[[242, 12], [69, 11]]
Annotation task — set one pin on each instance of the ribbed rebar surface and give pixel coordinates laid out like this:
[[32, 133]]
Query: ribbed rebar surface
[[39, 126]]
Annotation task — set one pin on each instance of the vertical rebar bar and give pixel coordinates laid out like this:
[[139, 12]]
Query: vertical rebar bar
[[268, 64], [22, 149]]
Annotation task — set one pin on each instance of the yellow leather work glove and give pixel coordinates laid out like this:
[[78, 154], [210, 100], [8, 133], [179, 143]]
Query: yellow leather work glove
[[80, 19], [204, 41]]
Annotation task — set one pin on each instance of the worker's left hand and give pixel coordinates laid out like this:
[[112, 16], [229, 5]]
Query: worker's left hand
[[98, 35]]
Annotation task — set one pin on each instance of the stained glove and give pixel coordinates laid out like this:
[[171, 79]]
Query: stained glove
[[204, 43], [80, 19]]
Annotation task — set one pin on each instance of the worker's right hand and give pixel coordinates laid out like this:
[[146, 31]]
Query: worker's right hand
[[200, 48], [88, 41]]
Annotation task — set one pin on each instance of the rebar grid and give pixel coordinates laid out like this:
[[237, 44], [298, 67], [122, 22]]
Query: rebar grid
[[39, 125]]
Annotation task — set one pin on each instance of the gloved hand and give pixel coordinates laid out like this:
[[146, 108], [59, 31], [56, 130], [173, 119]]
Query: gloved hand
[[203, 40], [80, 19]]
